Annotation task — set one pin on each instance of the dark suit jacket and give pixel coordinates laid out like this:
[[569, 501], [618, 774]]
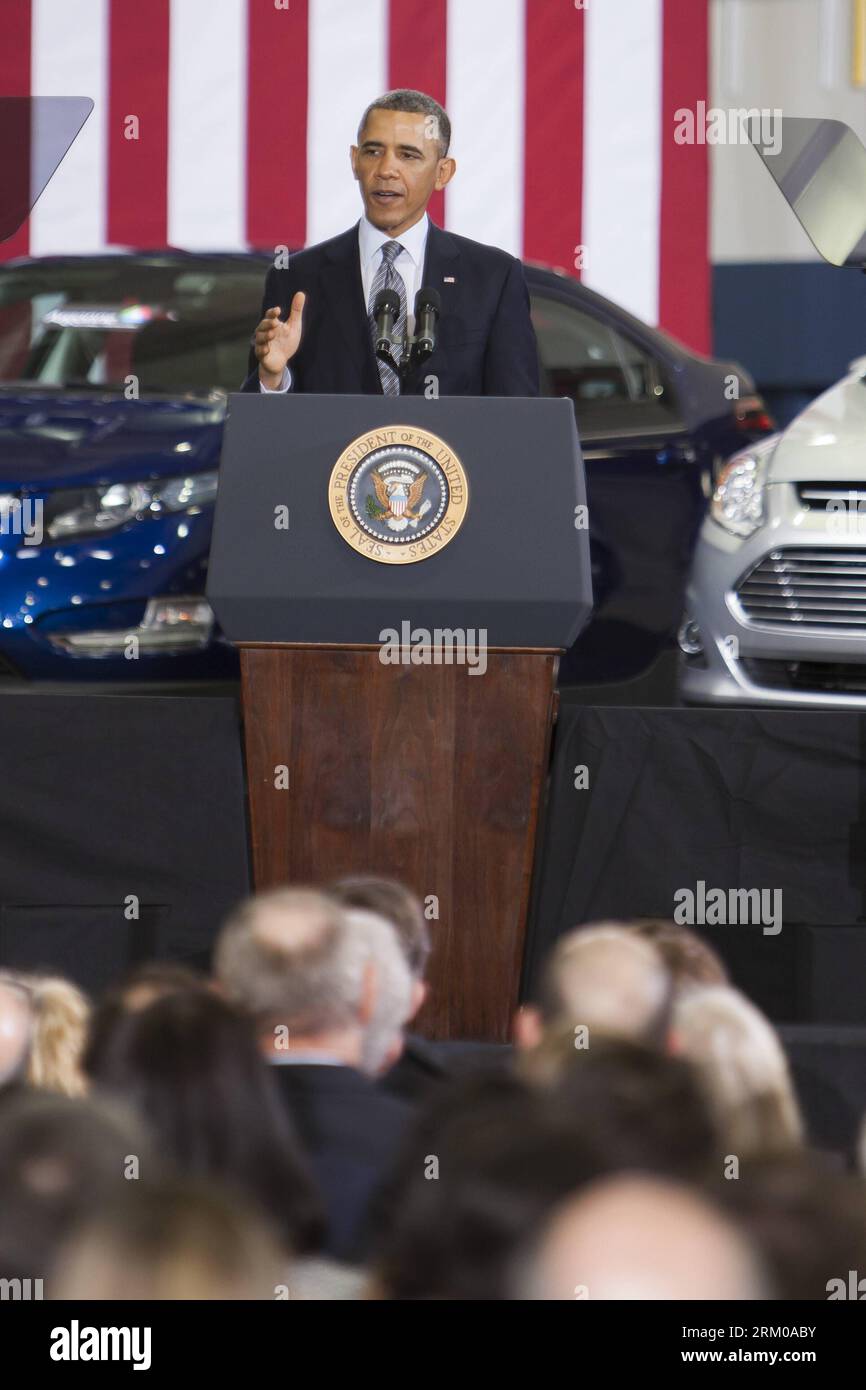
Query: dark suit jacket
[[486, 344], [351, 1132], [418, 1070]]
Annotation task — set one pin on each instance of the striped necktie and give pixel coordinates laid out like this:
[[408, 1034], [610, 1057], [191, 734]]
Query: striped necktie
[[387, 278]]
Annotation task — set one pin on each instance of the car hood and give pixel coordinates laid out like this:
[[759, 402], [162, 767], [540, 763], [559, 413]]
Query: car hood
[[828, 439], [48, 437]]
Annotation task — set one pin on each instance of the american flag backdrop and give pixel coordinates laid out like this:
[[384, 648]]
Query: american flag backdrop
[[563, 116]]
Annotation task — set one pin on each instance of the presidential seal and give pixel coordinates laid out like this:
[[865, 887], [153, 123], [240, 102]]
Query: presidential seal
[[398, 495]]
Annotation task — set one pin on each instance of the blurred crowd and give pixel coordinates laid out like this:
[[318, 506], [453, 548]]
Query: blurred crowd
[[279, 1130]]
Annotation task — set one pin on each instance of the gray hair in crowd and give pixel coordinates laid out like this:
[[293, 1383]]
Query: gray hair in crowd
[[393, 996], [288, 956], [295, 956]]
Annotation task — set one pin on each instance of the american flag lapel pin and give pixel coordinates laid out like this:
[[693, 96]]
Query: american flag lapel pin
[[449, 280]]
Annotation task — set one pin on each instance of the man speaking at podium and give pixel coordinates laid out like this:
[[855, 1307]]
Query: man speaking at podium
[[323, 315]]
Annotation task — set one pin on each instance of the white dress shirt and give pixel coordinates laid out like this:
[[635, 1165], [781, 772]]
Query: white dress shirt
[[409, 264]]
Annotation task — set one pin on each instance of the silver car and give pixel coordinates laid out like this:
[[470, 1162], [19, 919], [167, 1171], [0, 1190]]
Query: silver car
[[776, 602]]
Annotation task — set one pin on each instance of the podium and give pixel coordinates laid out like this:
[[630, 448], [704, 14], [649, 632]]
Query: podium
[[400, 576]]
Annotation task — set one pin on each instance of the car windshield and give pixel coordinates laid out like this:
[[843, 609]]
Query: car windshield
[[169, 325]]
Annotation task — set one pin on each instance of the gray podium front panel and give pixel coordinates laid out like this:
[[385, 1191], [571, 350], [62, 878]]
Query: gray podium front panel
[[518, 567]]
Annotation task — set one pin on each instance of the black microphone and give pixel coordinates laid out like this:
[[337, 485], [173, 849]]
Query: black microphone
[[386, 312], [428, 306]]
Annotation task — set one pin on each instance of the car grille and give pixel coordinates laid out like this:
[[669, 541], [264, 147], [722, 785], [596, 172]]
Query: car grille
[[816, 496], [808, 677], [820, 588]]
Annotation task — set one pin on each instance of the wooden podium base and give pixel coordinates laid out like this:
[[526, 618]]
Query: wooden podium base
[[426, 774]]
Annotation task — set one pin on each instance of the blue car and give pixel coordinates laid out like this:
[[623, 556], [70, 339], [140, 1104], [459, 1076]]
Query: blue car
[[114, 373]]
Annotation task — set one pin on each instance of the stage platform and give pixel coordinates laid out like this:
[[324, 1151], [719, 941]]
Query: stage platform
[[122, 830], [123, 837], [651, 808]]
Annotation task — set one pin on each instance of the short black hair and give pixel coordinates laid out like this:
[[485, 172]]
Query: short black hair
[[419, 104]]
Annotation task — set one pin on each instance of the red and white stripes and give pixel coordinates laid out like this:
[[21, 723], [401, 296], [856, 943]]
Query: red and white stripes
[[245, 109], [138, 56]]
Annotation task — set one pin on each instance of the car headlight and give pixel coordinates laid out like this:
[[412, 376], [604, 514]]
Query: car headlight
[[91, 510], [738, 499], [170, 626]]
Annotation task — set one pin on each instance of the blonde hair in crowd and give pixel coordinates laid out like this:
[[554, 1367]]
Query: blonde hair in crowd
[[742, 1067], [61, 1014]]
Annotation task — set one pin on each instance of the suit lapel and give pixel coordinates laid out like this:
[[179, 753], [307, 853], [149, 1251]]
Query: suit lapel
[[441, 272], [439, 261], [344, 289]]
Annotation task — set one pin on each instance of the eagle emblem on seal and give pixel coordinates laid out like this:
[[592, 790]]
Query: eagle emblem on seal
[[399, 489]]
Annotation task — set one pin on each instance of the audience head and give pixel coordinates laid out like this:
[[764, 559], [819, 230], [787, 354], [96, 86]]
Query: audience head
[[604, 979], [182, 1240], [392, 996], [190, 1065], [688, 959], [61, 1159], [61, 1016], [808, 1220], [638, 1109], [486, 1160], [142, 986], [292, 959], [399, 906], [641, 1238], [741, 1066], [17, 1026], [288, 958]]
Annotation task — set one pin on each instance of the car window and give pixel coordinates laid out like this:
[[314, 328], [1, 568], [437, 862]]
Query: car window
[[584, 358], [177, 327]]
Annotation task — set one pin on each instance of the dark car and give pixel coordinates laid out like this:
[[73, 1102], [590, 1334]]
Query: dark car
[[114, 371]]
